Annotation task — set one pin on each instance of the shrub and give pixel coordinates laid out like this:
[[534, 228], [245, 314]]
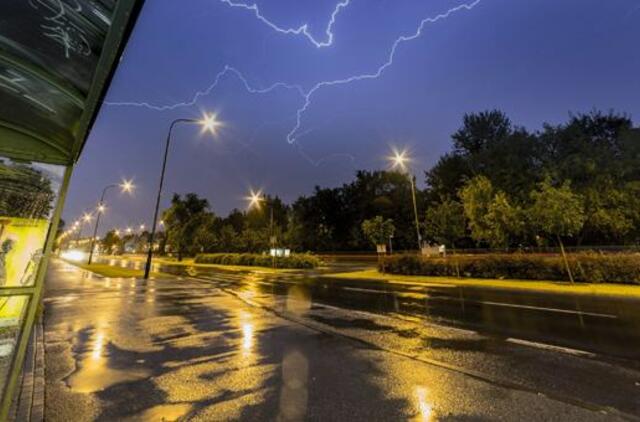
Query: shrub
[[298, 261], [586, 267]]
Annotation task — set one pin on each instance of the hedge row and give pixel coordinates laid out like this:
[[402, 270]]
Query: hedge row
[[292, 261], [586, 267]]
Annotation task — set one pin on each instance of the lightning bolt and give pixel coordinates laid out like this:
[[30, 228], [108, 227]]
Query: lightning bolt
[[291, 136], [301, 30], [306, 95], [224, 72]]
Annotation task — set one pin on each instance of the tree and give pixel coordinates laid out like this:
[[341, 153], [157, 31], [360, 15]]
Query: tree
[[557, 211], [505, 221], [228, 239], [599, 154], [488, 145], [205, 237], [447, 177], [378, 230], [445, 222], [111, 243], [182, 221], [492, 217], [477, 195], [480, 130]]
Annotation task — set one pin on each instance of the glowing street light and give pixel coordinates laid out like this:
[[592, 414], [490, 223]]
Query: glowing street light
[[255, 200], [126, 186], [399, 160], [141, 227], [129, 230], [208, 123]]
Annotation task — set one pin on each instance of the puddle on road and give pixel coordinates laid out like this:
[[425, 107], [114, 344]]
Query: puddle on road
[[93, 372], [165, 412], [94, 375]]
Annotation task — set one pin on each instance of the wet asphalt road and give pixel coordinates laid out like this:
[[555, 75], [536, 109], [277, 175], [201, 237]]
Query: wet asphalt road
[[249, 347], [600, 325]]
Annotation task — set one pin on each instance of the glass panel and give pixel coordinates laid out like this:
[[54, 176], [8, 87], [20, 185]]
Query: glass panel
[[27, 198], [63, 36], [33, 103], [12, 312]]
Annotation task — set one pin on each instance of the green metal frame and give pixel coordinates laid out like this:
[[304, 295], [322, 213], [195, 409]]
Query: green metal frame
[[121, 26], [35, 295], [24, 144]]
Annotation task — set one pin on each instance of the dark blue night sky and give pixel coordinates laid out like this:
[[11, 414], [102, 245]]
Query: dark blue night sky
[[538, 60]]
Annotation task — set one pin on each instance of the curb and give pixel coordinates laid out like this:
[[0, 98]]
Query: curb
[[28, 404]]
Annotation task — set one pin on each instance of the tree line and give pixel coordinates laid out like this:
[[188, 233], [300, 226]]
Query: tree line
[[500, 186]]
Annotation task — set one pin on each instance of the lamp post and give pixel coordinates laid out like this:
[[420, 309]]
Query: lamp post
[[125, 186], [208, 123], [399, 159], [255, 198], [85, 219]]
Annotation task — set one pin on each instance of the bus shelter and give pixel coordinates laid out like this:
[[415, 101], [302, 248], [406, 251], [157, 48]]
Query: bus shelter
[[57, 58]]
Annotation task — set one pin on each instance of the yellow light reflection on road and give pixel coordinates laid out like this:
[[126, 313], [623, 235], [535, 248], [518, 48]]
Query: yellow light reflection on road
[[98, 345], [248, 333], [247, 337], [425, 410]]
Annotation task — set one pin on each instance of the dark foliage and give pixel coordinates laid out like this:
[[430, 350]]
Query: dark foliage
[[586, 267]]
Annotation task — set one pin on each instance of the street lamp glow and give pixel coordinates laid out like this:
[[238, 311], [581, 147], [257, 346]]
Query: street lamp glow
[[210, 123], [141, 227], [127, 186], [254, 198], [129, 230], [86, 217], [101, 208], [117, 232], [399, 159]]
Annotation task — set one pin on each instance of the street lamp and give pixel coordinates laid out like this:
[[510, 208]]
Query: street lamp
[[125, 187], [255, 199], [208, 123], [400, 159], [86, 218]]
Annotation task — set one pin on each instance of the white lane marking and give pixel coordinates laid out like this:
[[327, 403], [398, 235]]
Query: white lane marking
[[551, 347], [383, 292], [503, 304], [358, 289], [541, 308]]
